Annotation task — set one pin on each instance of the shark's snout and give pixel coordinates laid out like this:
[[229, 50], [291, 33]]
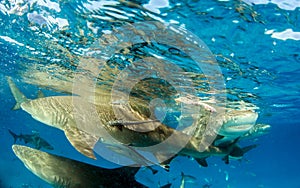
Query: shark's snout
[[19, 151], [241, 118], [239, 122], [15, 149]]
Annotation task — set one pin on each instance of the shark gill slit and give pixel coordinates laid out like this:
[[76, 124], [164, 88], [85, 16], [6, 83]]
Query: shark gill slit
[[59, 116]]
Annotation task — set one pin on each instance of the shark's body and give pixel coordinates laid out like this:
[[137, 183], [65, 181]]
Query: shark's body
[[33, 139], [85, 124], [63, 172], [58, 112]]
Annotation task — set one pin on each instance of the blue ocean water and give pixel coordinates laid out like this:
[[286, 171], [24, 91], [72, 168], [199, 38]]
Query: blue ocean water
[[256, 44]]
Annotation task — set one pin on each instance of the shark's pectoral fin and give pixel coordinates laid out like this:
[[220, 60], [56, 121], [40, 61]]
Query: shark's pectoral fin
[[81, 141], [202, 162], [226, 159]]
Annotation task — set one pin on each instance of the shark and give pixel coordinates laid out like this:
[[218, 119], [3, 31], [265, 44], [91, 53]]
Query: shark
[[33, 139], [84, 127], [236, 124], [230, 123], [60, 171], [58, 112]]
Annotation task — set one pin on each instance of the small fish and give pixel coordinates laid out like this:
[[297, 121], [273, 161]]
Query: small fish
[[33, 139], [187, 179], [226, 175], [207, 185]]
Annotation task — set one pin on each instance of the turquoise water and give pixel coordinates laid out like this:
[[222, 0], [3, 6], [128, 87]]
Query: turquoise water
[[255, 43]]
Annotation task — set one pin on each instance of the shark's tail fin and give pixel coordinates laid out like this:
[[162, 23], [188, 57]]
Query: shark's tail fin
[[18, 95], [14, 135]]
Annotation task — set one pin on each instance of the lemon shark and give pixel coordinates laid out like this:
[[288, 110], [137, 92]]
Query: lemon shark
[[64, 172], [236, 123], [233, 123], [58, 112], [84, 128]]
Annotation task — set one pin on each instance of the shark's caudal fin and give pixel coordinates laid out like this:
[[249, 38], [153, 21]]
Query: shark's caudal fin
[[18, 95], [14, 135]]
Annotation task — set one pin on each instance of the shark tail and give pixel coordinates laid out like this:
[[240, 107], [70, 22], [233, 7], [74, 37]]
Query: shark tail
[[14, 135], [18, 95]]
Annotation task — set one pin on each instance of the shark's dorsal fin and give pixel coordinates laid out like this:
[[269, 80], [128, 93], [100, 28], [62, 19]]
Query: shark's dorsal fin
[[81, 141], [226, 159], [18, 95]]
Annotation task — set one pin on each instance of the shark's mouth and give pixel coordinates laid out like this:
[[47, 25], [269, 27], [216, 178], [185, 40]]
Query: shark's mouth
[[233, 129]]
